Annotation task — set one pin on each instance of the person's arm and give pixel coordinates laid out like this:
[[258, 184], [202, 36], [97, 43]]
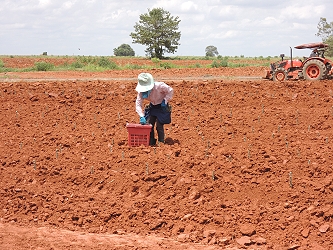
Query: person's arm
[[138, 105], [168, 92]]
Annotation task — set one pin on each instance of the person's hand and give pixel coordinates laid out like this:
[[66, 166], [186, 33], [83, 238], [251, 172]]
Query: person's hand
[[143, 120]]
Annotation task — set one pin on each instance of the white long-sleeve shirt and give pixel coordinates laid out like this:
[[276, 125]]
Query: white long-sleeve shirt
[[159, 92]]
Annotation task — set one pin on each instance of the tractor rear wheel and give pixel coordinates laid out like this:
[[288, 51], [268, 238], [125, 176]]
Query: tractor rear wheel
[[280, 75], [314, 70]]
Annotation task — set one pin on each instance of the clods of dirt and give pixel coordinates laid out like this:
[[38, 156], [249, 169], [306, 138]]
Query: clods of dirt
[[246, 164]]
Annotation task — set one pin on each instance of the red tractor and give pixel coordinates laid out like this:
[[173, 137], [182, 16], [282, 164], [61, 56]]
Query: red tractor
[[314, 67]]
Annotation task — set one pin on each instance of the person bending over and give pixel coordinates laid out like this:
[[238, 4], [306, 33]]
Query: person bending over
[[158, 111]]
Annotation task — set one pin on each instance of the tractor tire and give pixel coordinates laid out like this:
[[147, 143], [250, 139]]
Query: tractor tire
[[280, 75], [314, 70]]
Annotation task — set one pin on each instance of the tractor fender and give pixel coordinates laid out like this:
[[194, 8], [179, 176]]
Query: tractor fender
[[323, 60]]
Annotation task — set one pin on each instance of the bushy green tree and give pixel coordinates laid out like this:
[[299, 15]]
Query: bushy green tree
[[325, 31], [124, 50], [211, 51], [157, 30], [329, 41]]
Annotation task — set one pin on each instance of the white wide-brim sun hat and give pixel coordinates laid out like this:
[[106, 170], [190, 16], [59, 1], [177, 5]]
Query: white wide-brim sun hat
[[145, 82]]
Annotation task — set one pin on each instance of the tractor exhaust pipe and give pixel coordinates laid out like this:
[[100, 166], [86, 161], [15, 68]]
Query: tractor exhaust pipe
[[291, 56]]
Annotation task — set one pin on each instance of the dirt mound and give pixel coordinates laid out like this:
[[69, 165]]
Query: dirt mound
[[246, 164]]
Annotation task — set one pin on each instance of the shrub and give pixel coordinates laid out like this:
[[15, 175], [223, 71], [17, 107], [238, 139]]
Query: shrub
[[218, 64], [106, 63], [194, 66], [87, 59], [224, 62], [166, 65], [155, 60], [77, 65], [43, 66], [215, 64], [2, 67]]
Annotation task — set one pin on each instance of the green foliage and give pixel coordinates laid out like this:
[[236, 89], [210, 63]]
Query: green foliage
[[43, 66], [224, 62], [195, 66], [325, 29], [3, 68], [211, 51], [329, 50], [221, 63], [77, 65], [106, 63], [124, 50], [87, 59], [100, 64], [158, 31], [166, 65], [155, 60], [215, 64]]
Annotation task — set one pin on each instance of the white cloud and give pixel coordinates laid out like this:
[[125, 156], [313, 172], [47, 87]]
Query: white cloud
[[228, 11], [302, 11], [227, 34], [188, 6], [270, 21], [248, 27], [68, 4], [44, 3]]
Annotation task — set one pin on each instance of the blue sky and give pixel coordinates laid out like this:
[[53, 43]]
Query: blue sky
[[96, 27]]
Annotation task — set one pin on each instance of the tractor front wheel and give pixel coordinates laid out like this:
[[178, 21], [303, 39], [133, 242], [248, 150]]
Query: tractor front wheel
[[279, 75], [314, 70]]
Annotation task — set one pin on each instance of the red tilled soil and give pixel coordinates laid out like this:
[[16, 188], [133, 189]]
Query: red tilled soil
[[247, 163]]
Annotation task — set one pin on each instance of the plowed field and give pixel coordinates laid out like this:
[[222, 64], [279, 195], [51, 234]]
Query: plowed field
[[247, 163]]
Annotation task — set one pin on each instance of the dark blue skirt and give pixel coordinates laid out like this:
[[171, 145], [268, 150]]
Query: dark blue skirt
[[163, 114]]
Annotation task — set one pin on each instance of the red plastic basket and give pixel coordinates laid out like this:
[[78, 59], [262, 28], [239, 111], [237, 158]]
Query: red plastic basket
[[138, 134]]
